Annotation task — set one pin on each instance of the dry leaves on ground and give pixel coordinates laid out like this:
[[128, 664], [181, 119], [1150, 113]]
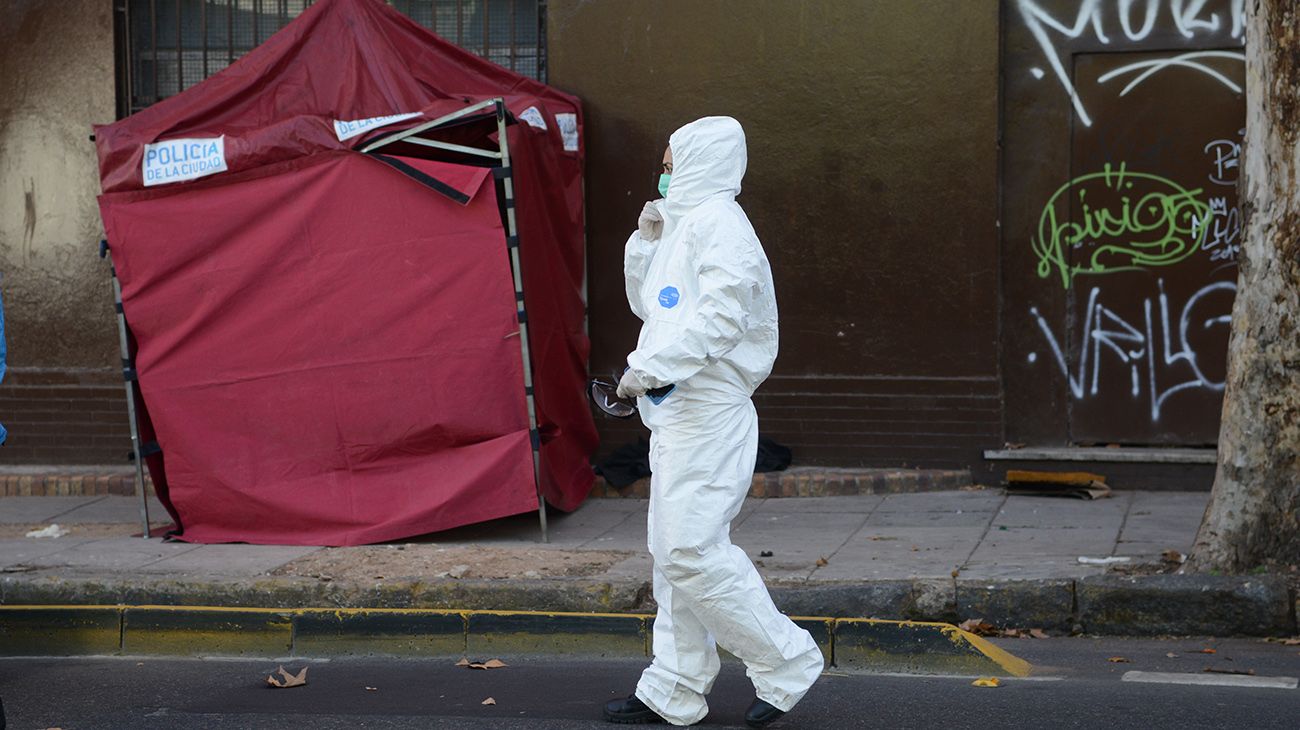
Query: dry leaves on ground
[[986, 682], [978, 627], [1118, 660], [489, 701], [1206, 650], [489, 664], [821, 561], [290, 680], [1284, 642]]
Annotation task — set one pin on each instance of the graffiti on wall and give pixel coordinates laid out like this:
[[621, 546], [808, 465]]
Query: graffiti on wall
[[1134, 21], [1132, 221], [1162, 350]]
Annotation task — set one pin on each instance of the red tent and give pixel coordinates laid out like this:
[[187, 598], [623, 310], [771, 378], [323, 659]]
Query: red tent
[[326, 343]]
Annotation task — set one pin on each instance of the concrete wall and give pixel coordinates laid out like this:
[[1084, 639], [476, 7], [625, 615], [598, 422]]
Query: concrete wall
[[872, 129], [56, 78]]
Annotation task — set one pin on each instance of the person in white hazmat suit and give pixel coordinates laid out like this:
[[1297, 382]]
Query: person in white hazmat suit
[[699, 280]]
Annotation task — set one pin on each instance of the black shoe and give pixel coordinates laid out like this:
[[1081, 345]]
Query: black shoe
[[760, 714], [630, 711]]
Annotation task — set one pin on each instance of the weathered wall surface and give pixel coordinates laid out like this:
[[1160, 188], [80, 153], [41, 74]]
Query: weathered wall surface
[[1121, 223], [872, 182], [56, 79]]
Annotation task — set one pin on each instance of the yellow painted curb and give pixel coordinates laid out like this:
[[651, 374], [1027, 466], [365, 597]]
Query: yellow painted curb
[[277, 631]]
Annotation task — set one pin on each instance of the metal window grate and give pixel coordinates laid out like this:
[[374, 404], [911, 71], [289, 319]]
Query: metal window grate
[[166, 46]]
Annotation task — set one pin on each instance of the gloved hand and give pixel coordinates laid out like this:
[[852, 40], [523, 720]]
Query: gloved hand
[[629, 386], [650, 224]]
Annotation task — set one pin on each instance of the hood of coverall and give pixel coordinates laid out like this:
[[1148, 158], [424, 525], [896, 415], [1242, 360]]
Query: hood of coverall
[[709, 160]]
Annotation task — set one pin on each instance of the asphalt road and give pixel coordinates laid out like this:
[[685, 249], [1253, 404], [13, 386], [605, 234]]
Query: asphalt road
[[1077, 686]]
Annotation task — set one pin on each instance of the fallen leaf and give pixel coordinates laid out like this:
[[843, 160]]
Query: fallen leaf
[[1171, 655], [1284, 642], [489, 701], [986, 682], [290, 680], [1038, 633], [1246, 672], [978, 627], [372, 689], [1173, 556], [822, 561], [1118, 660], [1012, 634], [956, 573], [1206, 651], [489, 664]]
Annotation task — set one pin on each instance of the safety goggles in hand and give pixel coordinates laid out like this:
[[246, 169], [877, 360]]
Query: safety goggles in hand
[[604, 395]]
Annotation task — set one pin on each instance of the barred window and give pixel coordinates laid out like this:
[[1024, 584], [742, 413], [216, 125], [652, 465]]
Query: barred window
[[166, 46]]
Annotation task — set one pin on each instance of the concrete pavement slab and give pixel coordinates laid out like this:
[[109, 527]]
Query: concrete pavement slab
[[853, 503], [1029, 568], [797, 539], [1032, 542], [29, 510], [112, 554], [956, 518], [114, 509], [1044, 512], [19, 552], [228, 559], [974, 501]]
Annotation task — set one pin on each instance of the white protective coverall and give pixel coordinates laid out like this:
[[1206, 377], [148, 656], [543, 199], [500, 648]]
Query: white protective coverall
[[704, 292]]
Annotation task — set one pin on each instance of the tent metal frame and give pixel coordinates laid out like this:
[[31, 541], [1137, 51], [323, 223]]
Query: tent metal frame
[[503, 172], [129, 376]]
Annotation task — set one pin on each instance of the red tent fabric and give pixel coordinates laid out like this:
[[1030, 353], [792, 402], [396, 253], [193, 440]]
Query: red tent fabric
[[327, 349]]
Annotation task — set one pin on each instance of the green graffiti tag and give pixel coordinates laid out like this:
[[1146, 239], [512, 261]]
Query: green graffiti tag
[[1133, 221]]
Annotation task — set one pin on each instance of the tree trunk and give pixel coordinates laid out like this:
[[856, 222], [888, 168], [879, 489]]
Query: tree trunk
[[1254, 514]]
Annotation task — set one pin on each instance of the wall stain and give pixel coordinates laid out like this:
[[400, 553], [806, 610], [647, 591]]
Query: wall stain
[[29, 218]]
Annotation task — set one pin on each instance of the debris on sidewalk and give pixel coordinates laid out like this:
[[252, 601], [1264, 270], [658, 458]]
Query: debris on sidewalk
[[289, 680], [489, 664], [1104, 561], [986, 682], [51, 531], [1173, 556], [1082, 485]]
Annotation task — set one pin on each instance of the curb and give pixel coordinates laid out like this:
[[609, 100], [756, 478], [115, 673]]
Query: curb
[[1156, 605], [853, 644]]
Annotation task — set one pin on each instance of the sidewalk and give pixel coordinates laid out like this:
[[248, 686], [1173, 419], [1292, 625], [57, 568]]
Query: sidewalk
[[942, 556]]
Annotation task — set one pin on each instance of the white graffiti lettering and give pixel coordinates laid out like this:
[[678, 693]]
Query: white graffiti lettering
[[1227, 156], [1189, 17], [1160, 363]]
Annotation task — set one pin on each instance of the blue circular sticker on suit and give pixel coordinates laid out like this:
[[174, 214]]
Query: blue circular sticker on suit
[[668, 297]]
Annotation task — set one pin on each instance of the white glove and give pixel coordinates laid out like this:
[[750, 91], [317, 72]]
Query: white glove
[[629, 386], [650, 224]]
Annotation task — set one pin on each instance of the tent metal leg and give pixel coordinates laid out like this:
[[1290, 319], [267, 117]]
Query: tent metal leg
[[512, 237], [128, 374]]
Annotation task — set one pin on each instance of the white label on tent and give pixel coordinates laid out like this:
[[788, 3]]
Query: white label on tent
[[348, 130], [568, 124], [533, 117], [183, 159]]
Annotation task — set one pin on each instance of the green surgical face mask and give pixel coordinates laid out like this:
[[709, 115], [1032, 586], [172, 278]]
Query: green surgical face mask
[[663, 184]]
